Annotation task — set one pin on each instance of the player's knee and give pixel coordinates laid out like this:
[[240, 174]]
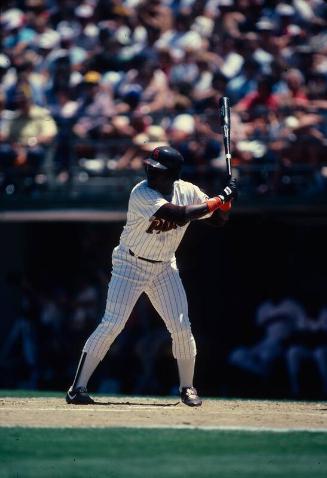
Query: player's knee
[[112, 325], [101, 339], [184, 346]]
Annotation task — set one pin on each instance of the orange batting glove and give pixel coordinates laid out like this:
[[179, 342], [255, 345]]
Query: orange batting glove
[[218, 203], [224, 200]]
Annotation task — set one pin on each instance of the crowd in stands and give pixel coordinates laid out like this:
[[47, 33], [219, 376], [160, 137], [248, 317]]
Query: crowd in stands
[[290, 354], [94, 85]]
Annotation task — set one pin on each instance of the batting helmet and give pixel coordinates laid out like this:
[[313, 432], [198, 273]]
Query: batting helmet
[[165, 158]]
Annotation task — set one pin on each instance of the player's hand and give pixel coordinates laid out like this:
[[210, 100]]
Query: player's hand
[[224, 200], [230, 192]]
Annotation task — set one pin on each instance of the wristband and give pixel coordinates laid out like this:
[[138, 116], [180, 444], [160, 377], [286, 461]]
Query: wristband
[[227, 206], [214, 203]]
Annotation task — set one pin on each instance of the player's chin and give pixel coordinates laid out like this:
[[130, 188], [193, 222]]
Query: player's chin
[[154, 181], [151, 183]]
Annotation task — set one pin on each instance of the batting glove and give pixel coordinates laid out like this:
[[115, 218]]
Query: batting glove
[[230, 192]]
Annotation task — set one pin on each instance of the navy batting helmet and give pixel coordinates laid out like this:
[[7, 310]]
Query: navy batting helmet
[[165, 158]]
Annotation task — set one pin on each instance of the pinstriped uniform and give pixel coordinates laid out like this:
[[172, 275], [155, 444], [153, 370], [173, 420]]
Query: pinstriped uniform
[[157, 240]]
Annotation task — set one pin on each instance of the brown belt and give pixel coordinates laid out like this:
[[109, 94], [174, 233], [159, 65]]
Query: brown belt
[[143, 258]]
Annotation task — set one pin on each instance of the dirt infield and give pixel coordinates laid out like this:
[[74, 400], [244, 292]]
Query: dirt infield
[[152, 412]]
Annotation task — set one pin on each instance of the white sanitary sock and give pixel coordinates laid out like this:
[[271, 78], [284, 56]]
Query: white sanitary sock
[[87, 364], [186, 372]]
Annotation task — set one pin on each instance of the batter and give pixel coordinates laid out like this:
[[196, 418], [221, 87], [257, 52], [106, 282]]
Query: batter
[[159, 211]]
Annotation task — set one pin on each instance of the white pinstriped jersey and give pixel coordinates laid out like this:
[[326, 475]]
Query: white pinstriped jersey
[[153, 238]]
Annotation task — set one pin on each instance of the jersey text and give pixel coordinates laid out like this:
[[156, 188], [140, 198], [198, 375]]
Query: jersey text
[[161, 225]]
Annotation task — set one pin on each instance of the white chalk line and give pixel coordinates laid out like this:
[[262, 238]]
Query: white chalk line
[[131, 408], [74, 408]]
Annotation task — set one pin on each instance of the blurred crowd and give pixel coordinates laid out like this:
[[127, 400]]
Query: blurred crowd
[[41, 349], [91, 86], [290, 355]]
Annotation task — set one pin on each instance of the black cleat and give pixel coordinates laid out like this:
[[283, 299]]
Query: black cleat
[[190, 397], [78, 396]]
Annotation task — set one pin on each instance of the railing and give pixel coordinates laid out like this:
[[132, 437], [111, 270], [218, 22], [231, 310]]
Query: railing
[[94, 181]]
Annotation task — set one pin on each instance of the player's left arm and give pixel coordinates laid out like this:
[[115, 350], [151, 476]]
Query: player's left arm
[[181, 215]]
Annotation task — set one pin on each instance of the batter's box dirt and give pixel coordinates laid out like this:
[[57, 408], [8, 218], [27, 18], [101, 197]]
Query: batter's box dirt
[[162, 412]]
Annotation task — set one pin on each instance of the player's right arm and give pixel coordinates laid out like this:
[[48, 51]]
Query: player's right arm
[[181, 215]]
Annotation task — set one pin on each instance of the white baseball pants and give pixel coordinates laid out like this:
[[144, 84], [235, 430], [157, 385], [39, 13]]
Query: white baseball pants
[[161, 282]]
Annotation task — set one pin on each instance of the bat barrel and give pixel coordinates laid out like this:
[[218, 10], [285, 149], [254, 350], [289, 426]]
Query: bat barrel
[[225, 122]]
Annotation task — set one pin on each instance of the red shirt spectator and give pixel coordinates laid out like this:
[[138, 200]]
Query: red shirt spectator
[[263, 96]]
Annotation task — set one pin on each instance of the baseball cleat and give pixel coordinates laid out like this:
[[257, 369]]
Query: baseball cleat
[[189, 396], [78, 396]]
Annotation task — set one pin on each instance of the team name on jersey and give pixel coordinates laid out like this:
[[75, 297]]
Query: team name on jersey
[[160, 225]]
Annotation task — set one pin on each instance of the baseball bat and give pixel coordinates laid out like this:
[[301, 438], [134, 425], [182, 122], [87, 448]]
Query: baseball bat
[[224, 112]]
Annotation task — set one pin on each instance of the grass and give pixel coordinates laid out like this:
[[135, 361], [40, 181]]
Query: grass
[[30, 393], [161, 453]]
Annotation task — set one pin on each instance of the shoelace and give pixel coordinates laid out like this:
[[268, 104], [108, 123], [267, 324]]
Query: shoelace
[[191, 393]]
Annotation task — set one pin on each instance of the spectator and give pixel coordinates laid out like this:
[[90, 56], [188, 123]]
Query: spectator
[[17, 36], [60, 77], [208, 100], [96, 106], [87, 31], [7, 153], [152, 84], [268, 356], [25, 79], [294, 93], [181, 133], [302, 158], [245, 82], [143, 144], [5, 72], [19, 351], [28, 134], [307, 355], [262, 96], [64, 111], [231, 60]]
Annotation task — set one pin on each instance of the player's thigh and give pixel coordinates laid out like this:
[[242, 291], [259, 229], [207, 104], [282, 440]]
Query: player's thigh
[[168, 296], [125, 287]]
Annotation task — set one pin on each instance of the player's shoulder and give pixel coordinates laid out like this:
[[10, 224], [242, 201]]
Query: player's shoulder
[[181, 184], [191, 192], [138, 187], [186, 186], [142, 189]]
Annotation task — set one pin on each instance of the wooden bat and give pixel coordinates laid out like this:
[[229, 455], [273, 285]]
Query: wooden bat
[[224, 113]]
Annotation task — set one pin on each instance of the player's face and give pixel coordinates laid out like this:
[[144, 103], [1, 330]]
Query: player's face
[[159, 179]]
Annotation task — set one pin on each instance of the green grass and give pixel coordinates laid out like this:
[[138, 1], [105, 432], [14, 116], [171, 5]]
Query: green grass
[[30, 393], [160, 453]]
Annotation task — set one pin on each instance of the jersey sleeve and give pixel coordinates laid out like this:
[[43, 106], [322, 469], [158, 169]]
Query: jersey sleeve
[[145, 202]]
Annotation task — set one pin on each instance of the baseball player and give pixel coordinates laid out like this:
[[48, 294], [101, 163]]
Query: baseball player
[[159, 211]]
